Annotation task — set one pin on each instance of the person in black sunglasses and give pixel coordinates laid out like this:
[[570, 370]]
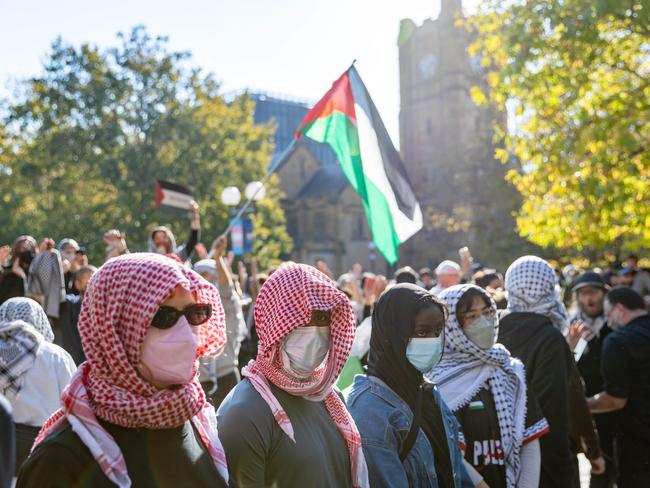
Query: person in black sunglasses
[[135, 413]]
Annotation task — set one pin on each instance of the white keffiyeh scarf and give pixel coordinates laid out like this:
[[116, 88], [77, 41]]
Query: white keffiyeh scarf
[[23, 326], [465, 369], [531, 287]]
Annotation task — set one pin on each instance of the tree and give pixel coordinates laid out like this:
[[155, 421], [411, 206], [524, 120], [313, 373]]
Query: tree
[[577, 73], [86, 140]]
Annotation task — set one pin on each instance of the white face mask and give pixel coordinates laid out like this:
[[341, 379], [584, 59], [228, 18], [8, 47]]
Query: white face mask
[[304, 349], [70, 256], [482, 332]]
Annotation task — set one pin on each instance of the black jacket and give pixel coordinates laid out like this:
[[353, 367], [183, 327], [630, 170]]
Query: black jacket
[[589, 366], [542, 348]]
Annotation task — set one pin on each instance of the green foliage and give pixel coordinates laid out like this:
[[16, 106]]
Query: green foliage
[[86, 140], [577, 72]]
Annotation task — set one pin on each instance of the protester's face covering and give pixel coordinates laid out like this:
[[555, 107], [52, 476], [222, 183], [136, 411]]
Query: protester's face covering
[[306, 348], [25, 250], [425, 346], [477, 318], [169, 348], [406, 338]]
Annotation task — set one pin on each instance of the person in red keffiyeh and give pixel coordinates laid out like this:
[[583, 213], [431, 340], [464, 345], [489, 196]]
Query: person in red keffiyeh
[[284, 425], [134, 414]]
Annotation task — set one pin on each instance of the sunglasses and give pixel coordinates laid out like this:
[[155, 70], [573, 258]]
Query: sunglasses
[[196, 314]]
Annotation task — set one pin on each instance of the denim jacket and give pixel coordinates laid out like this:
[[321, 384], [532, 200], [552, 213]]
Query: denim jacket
[[384, 420]]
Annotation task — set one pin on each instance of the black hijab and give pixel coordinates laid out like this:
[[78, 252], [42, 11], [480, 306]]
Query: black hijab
[[393, 324]]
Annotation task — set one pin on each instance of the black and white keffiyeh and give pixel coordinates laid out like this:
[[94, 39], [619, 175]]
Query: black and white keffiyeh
[[465, 369], [531, 286], [46, 278], [23, 326]]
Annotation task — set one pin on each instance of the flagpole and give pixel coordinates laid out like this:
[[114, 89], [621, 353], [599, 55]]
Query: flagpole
[[244, 207]]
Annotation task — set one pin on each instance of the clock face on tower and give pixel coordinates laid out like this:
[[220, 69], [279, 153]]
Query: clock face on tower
[[427, 66]]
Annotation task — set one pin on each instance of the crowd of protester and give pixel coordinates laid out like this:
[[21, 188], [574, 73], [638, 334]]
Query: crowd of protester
[[166, 368]]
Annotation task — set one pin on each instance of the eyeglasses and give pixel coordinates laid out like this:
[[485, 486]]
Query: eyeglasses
[[475, 314], [196, 314]]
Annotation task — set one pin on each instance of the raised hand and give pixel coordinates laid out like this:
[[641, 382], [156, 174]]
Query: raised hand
[[575, 332]]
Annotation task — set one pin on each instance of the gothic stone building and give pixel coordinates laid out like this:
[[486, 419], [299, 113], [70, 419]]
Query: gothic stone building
[[445, 142]]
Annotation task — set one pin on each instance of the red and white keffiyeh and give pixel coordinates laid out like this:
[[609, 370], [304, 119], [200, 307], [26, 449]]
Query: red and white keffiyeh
[[119, 304], [285, 303]]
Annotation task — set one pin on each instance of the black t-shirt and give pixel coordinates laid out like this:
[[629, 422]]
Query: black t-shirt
[[260, 454], [590, 370], [626, 372], [154, 458], [480, 425]]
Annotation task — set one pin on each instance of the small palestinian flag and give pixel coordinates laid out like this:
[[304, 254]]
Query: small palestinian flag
[[346, 118], [172, 195]]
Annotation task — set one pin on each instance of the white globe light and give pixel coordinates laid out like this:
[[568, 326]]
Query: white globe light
[[255, 191], [230, 196]]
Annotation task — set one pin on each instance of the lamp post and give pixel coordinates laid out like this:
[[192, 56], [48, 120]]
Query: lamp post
[[231, 197]]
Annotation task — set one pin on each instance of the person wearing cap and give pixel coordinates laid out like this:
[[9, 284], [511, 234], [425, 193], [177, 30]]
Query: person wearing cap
[[447, 274], [220, 374], [641, 283], [426, 278], [586, 337], [626, 276], [406, 275]]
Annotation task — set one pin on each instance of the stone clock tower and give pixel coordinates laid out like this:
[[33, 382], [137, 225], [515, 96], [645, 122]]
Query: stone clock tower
[[445, 139]]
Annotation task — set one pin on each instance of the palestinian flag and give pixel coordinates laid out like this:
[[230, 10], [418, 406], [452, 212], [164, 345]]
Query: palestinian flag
[[346, 118]]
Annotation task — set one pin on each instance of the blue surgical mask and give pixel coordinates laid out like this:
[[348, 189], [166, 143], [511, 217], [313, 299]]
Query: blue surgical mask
[[424, 352]]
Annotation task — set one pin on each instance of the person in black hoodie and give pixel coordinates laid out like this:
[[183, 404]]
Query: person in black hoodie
[[530, 329], [586, 337]]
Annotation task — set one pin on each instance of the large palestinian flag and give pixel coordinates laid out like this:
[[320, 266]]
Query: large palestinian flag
[[346, 118]]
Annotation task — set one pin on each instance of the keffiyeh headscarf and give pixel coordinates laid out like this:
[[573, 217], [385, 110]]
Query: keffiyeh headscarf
[[531, 287], [119, 304], [23, 326], [285, 303], [46, 279], [465, 369]]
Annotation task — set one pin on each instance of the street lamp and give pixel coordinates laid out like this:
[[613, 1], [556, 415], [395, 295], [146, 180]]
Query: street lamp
[[230, 196], [255, 191]]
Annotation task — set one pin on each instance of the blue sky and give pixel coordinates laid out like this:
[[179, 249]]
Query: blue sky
[[290, 47]]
